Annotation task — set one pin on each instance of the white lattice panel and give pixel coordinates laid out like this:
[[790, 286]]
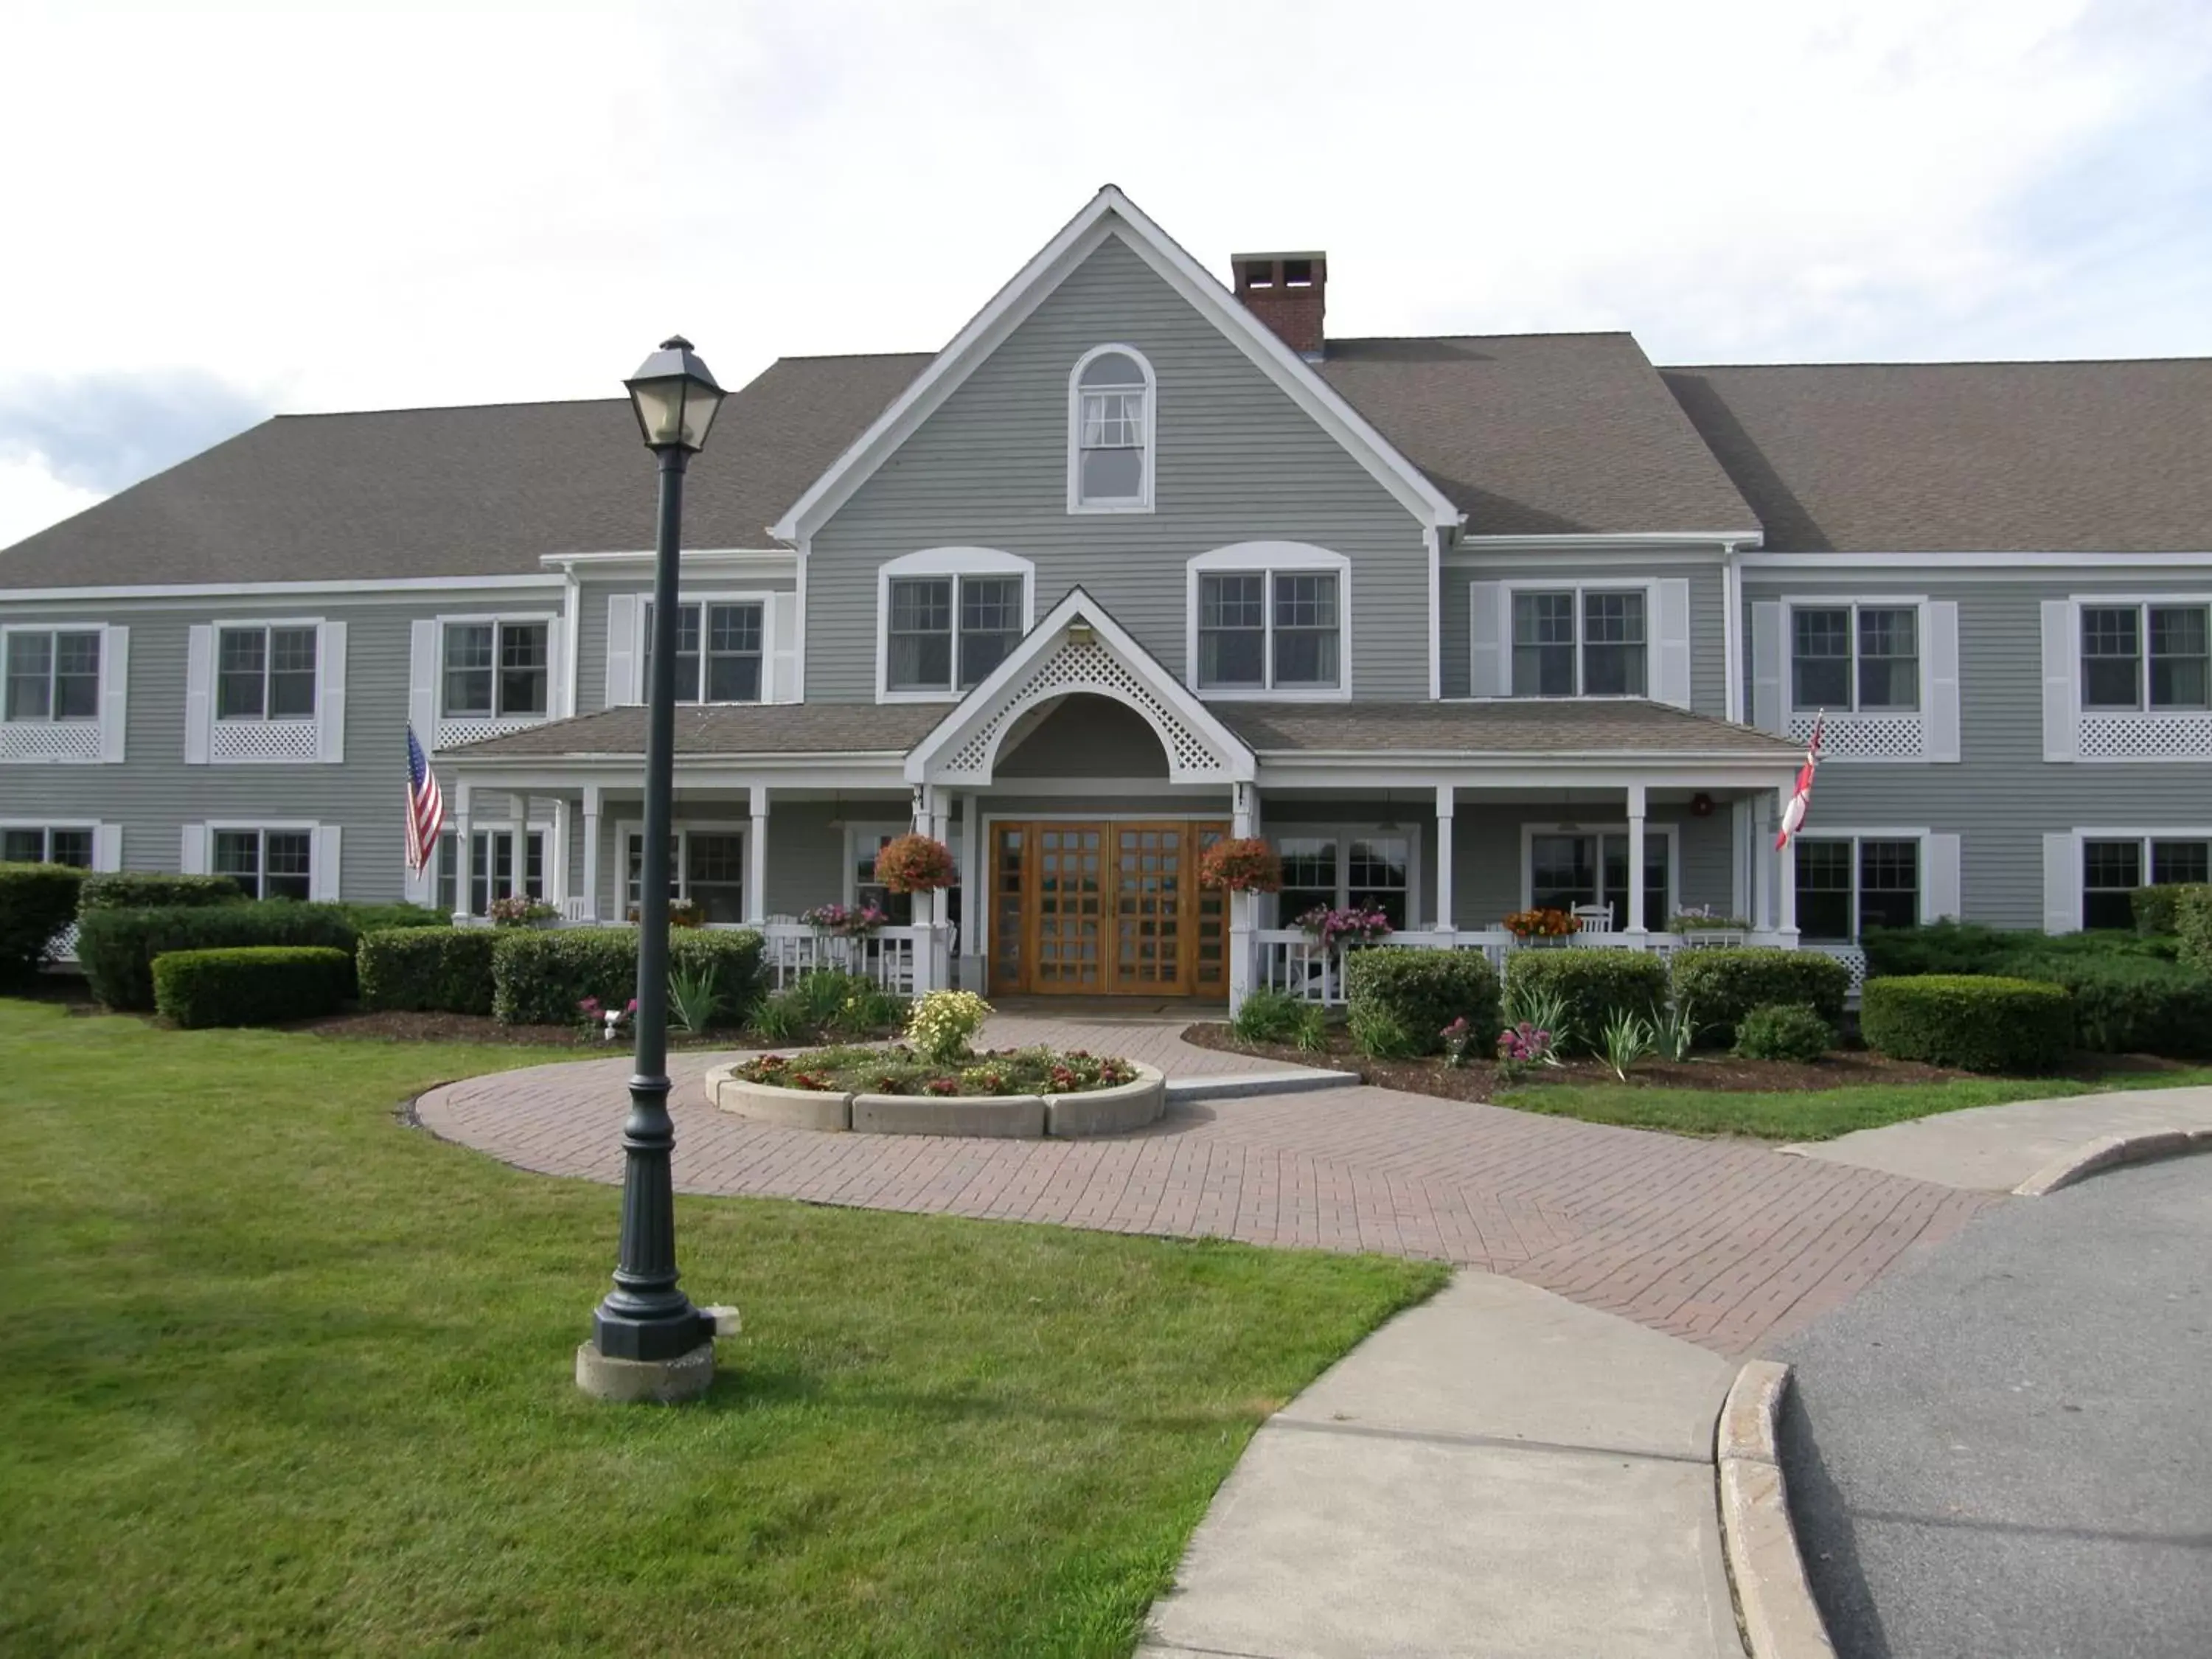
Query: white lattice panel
[[63, 946], [242, 742], [453, 734], [1852, 957], [2151, 736], [1092, 668], [50, 741], [1865, 737]]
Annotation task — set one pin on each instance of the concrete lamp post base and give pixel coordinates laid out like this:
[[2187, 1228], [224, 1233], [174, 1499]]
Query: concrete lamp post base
[[654, 1382]]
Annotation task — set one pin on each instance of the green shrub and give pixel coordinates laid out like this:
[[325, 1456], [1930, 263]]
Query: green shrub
[[117, 948], [1594, 986], [1786, 1031], [2128, 1005], [37, 901], [1381, 1035], [1265, 1015], [129, 889], [1981, 1023], [827, 1000], [1965, 947], [1423, 991], [539, 976], [2192, 922], [1724, 984], [427, 970], [372, 918], [2157, 909], [250, 985]]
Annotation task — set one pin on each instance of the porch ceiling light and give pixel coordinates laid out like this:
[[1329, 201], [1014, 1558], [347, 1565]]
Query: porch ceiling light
[[675, 397]]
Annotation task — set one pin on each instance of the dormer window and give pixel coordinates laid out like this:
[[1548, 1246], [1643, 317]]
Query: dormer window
[[1110, 437]]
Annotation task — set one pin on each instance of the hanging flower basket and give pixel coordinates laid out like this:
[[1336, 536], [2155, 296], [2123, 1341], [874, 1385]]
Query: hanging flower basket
[[1542, 924], [844, 921], [916, 864], [1364, 925], [1245, 864]]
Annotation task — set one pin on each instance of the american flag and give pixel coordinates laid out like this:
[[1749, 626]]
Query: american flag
[[1793, 815], [426, 807]]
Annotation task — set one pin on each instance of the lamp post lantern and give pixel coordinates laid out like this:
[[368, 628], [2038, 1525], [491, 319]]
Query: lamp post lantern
[[648, 1342]]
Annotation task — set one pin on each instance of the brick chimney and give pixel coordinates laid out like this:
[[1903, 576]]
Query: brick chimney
[[1289, 293]]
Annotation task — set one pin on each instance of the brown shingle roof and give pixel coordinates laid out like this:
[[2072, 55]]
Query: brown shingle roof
[[1899, 458], [791, 728], [459, 492], [1541, 435]]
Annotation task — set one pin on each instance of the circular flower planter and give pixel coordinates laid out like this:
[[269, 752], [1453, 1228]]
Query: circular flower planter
[[1021, 1117]]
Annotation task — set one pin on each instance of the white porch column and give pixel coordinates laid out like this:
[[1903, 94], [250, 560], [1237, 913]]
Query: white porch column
[[973, 900], [1447, 796], [1243, 907], [929, 972], [757, 857], [1762, 867], [1635, 804], [590, 852], [462, 849]]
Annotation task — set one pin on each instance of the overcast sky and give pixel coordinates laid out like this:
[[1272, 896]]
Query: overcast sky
[[213, 214]]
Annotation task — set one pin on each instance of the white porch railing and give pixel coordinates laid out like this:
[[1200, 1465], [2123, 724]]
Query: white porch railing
[[890, 956], [1293, 961]]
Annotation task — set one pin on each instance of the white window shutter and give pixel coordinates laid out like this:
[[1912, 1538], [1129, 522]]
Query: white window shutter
[[783, 639], [114, 690], [1670, 679], [422, 682], [556, 669], [1940, 739], [107, 846], [330, 695], [1769, 653], [192, 858], [2061, 705], [323, 870], [2062, 882], [1487, 664], [200, 693], [622, 648], [1939, 879]]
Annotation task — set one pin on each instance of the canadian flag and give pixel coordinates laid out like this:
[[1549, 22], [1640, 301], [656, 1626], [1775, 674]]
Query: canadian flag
[[1793, 815]]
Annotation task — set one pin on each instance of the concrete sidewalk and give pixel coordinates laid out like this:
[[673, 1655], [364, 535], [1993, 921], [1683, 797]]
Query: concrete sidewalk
[[1498, 1472], [1994, 1148]]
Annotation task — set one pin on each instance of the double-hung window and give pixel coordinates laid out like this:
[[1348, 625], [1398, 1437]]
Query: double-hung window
[[2146, 656], [1110, 442], [52, 674], [266, 864], [1568, 869], [1352, 869], [495, 669], [2113, 867], [26, 844], [1848, 883], [264, 674], [1580, 643], [719, 650], [1261, 630], [947, 634], [1848, 659]]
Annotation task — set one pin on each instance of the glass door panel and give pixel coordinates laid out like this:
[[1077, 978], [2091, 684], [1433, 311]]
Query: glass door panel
[[1148, 895], [1071, 909], [1009, 914]]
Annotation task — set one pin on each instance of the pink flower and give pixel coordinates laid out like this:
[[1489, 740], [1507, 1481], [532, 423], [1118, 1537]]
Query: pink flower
[[633, 1006], [588, 1005]]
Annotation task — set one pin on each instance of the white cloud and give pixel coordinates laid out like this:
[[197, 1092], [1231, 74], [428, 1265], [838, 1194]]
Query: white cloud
[[31, 498], [343, 208]]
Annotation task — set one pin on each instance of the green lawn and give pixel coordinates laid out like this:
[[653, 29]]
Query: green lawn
[[280, 1376], [1808, 1113]]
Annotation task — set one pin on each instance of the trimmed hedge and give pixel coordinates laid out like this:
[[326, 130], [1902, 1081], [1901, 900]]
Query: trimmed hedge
[[372, 918], [2126, 1005], [1596, 985], [37, 901], [252, 985], [2192, 921], [1788, 1031], [117, 948], [1723, 985], [540, 974], [1424, 991], [129, 889], [427, 970], [1982, 1024], [1966, 947], [2157, 909]]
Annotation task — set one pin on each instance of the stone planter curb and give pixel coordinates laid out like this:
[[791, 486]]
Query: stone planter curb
[[786, 1109], [996, 1117], [1096, 1112], [1775, 1604], [1114, 1111]]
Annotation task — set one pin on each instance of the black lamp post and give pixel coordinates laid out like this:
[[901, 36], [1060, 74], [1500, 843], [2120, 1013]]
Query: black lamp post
[[645, 1320]]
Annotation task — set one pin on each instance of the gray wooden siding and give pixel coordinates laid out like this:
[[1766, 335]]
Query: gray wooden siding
[[2001, 796], [1238, 461], [1708, 613], [1088, 738]]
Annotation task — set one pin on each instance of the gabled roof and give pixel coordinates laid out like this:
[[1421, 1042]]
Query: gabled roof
[[1901, 458], [1543, 434], [1109, 213], [484, 490], [728, 729]]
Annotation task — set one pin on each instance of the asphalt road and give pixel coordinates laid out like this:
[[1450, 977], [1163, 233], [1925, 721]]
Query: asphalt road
[[2004, 1448]]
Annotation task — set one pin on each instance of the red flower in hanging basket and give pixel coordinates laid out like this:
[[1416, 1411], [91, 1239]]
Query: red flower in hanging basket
[[916, 864], [1246, 865]]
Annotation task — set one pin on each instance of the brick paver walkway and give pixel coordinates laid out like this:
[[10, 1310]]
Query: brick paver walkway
[[1724, 1244]]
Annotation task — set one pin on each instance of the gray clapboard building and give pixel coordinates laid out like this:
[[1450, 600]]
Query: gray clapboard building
[[1462, 625]]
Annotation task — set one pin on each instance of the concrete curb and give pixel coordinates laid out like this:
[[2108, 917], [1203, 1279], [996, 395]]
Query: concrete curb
[[1242, 1086], [2109, 1151], [1781, 1620]]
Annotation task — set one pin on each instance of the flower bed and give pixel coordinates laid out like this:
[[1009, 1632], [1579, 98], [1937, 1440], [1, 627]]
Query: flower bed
[[900, 1070], [1020, 1093]]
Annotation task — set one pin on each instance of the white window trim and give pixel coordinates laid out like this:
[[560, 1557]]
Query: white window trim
[[1271, 559], [111, 699], [8, 631], [265, 625], [321, 838], [682, 829], [1921, 836], [555, 878], [1916, 603], [954, 561], [327, 723], [552, 622], [1344, 834], [765, 601], [1142, 502], [2142, 838], [51, 824], [2141, 604], [1581, 589], [1667, 832]]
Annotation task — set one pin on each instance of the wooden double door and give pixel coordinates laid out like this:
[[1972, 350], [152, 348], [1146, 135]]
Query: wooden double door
[[1104, 909]]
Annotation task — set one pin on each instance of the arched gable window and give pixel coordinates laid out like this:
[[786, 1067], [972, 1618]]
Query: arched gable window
[[1109, 437]]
